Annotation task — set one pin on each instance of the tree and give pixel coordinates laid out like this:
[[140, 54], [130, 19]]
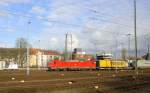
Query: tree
[[8, 53], [21, 44], [147, 55]]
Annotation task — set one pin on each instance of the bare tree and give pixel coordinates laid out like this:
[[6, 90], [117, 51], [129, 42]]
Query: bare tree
[[21, 44]]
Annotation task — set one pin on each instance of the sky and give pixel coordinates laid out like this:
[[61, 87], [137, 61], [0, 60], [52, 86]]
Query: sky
[[95, 25]]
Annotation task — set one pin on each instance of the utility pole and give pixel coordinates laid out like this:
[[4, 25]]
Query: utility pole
[[128, 35], [148, 54], [71, 46], [116, 39], [135, 37], [28, 52], [148, 49], [67, 55], [66, 47], [39, 50]]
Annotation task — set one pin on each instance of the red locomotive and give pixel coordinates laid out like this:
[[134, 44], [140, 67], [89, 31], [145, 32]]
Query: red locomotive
[[68, 65]]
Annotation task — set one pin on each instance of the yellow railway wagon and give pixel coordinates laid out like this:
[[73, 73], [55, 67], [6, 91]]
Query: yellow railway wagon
[[119, 64], [106, 63], [109, 64]]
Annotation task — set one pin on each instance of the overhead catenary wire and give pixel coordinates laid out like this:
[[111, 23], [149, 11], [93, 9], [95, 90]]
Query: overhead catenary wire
[[97, 13], [112, 22], [55, 21], [89, 8], [42, 18], [75, 25]]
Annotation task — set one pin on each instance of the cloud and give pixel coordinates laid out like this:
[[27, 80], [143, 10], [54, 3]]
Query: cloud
[[3, 44], [3, 14], [10, 30], [112, 17], [66, 10], [7, 2], [103, 35], [95, 31], [108, 27], [3, 4], [38, 10], [104, 29], [54, 41]]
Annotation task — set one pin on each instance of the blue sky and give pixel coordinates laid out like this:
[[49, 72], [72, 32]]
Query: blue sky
[[91, 22]]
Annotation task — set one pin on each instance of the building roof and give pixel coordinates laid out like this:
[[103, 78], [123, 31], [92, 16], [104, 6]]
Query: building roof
[[34, 51]]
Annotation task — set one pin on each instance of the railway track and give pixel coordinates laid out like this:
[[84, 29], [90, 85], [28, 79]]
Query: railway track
[[53, 81], [88, 82]]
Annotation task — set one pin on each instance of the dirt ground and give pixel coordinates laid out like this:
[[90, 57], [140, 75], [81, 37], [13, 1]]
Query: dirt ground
[[40, 81]]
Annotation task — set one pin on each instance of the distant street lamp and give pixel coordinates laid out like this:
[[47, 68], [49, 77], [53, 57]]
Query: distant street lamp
[[128, 35], [28, 52]]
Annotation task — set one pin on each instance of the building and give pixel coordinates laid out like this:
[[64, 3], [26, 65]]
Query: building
[[78, 54], [2, 65], [78, 51], [40, 57]]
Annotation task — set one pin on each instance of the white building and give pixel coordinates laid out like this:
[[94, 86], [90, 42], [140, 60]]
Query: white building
[[2, 65], [40, 58]]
